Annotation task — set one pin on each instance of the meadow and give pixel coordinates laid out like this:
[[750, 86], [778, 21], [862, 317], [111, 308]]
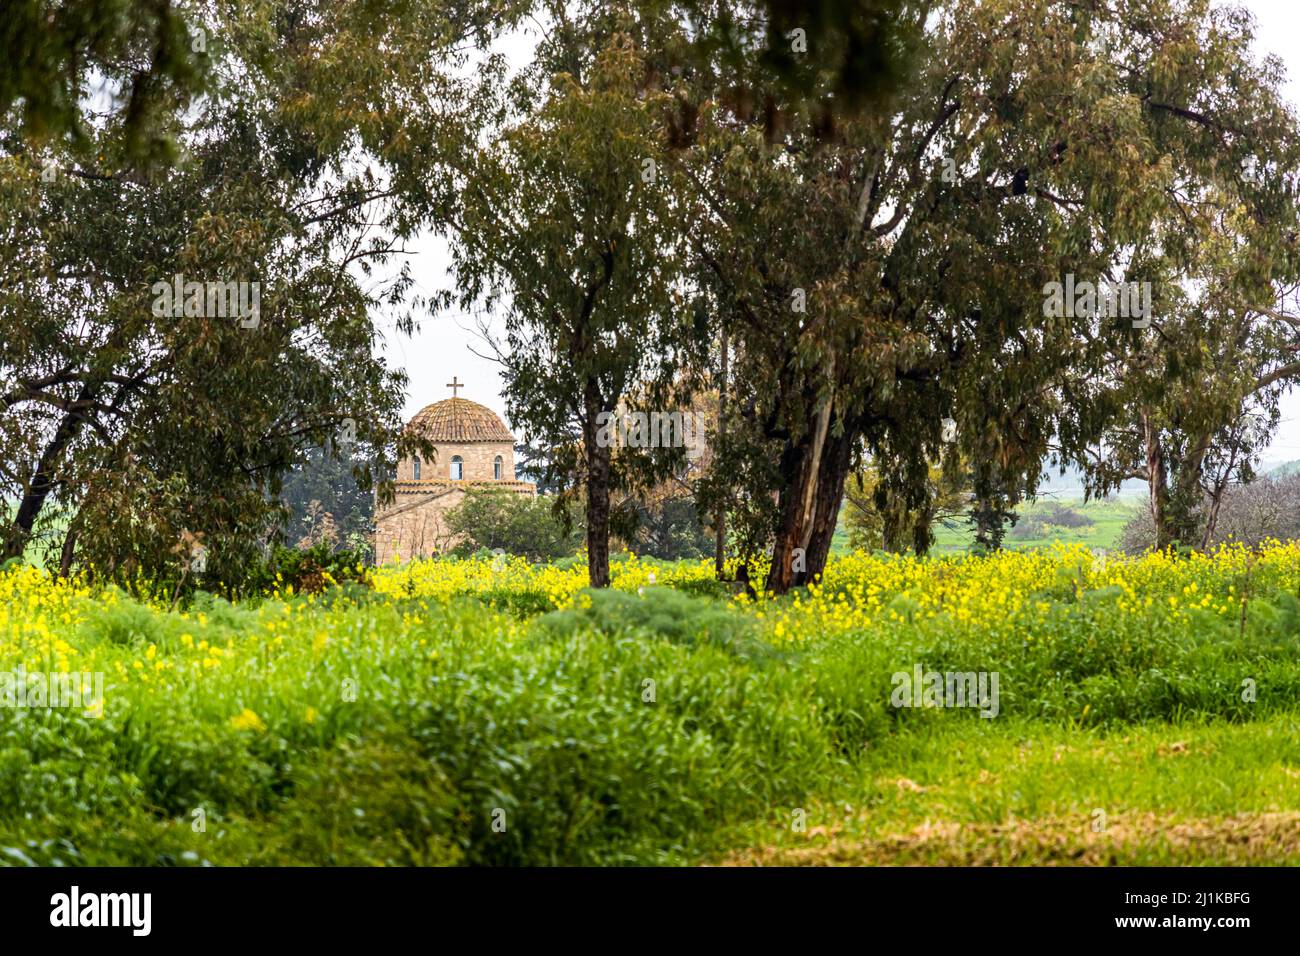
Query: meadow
[[1106, 520], [493, 712]]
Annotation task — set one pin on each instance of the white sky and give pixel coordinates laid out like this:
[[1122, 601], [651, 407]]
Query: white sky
[[444, 346]]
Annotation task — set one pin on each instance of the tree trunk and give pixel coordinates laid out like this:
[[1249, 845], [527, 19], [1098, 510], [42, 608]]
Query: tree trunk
[[1158, 485], [837, 458], [720, 519], [1187, 496], [987, 529], [893, 525], [809, 507], [989, 509], [598, 476], [43, 478], [69, 550], [1213, 506], [1175, 508], [1214, 496]]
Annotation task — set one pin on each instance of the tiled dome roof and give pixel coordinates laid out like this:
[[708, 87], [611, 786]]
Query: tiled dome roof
[[460, 420]]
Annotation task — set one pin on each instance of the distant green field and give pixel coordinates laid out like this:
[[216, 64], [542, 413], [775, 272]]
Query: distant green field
[[1109, 518]]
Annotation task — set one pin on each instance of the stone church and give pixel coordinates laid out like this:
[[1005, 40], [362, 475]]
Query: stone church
[[474, 450]]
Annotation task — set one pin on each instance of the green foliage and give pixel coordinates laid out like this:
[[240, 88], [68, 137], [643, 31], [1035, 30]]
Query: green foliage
[[513, 523], [555, 733], [325, 503], [52, 53], [303, 569], [124, 621], [862, 49], [184, 424], [377, 801]]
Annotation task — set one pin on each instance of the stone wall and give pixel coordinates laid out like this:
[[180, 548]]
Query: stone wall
[[413, 529], [478, 458], [416, 523]]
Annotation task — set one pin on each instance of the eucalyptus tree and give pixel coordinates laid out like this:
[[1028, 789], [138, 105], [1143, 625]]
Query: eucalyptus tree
[[174, 337], [1194, 396], [566, 227], [888, 271], [142, 414], [1187, 396], [138, 62]]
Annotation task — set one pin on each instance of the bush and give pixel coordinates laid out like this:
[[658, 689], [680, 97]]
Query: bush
[[1263, 509], [516, 524], [1027, 529], [303, 569], [1139, 532], [1033, 526], [660, 612], [1064, 517]]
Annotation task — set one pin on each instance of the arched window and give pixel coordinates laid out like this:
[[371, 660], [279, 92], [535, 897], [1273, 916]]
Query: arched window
[[456, 467], [416, 472], [496, 468]]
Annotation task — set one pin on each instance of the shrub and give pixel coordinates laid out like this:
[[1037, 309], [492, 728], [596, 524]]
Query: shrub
[[1064, 517], [516, 524], [303, 569], [1026, 529]]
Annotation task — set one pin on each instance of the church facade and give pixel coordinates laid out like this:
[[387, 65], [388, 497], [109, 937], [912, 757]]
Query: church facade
[[474, 449]]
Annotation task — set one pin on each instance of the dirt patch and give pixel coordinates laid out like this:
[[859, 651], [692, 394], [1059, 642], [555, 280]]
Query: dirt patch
[[1260, 838]]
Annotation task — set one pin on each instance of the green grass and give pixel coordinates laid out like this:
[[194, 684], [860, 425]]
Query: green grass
[[1021, 792], [1109, 518], [656, 728]]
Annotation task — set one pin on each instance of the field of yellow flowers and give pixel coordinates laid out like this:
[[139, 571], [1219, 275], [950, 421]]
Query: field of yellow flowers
[[489, 711]]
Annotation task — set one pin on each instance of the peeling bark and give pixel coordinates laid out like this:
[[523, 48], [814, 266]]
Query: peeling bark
[[809, 507]]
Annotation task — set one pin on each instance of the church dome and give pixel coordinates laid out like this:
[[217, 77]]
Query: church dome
[[457, 420]]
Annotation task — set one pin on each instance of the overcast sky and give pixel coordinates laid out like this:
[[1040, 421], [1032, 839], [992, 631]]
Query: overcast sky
[[445, 346]]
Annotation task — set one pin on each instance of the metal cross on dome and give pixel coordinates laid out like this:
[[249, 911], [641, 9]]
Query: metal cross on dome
[[455, 385]]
